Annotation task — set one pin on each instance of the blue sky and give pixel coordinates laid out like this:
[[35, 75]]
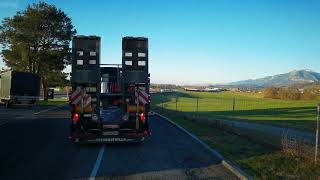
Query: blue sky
[[202, 41]]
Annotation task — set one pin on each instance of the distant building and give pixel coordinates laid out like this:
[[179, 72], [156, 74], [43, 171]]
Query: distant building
[[191, 89], [206, 89], [213, 90], [233, 89]]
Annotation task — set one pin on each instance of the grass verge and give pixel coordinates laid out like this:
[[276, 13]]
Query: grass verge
[[52, 102]]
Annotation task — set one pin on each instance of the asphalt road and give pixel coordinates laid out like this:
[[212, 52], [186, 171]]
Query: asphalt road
[[35, 146]]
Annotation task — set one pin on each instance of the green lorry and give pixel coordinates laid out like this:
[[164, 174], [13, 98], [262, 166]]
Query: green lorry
[[19, 88]]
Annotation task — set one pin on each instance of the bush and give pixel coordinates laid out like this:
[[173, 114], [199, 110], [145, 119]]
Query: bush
[[289, 94], [271, 92], [308, 95]]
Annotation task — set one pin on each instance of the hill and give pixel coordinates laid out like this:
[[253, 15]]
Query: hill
[[287, 79]]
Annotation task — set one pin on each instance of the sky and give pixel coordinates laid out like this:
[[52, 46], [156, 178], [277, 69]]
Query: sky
[[201, 41]]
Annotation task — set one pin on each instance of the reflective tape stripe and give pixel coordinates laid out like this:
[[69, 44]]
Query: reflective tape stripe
[[75, 96], [143, 97], [86, 100], [142, 100], [77, 100]]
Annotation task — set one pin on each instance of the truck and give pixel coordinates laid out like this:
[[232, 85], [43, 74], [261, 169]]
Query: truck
[[109, 103], [19, 88]]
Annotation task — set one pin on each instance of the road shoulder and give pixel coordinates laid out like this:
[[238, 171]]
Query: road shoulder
[[227, 164]]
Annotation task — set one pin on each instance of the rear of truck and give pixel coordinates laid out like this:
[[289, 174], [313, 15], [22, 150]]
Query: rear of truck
[[101, 109], [19, 88]]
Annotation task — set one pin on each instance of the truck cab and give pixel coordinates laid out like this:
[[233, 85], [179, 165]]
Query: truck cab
[[109, 102]]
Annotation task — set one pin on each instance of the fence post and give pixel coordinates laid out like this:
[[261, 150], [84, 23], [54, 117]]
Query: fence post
[[197, 104], [317, 135], [233, 104], [176, 102], [162, 99]]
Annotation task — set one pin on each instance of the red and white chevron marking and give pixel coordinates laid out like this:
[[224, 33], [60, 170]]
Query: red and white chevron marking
[[143, 97], [86, 100], [76, 96]]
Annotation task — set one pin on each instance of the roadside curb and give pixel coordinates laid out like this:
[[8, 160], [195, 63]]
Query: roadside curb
[[228, 165]]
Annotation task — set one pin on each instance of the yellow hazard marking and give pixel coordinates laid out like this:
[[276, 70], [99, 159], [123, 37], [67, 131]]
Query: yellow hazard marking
[[133, 108], [85, 109]]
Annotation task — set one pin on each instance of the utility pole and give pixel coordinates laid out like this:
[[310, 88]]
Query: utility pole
[[317, 135]]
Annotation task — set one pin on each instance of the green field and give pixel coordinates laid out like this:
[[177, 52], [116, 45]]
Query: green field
[[52, 102], [299, 114]]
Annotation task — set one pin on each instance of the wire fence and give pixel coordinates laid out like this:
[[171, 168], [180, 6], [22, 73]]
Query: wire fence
[[297, 114], [217, 111], [182, 102]]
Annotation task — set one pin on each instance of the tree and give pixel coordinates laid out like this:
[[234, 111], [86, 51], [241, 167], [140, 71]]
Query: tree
[[289, 94], [271, 92], [309, 94], [37, 40]]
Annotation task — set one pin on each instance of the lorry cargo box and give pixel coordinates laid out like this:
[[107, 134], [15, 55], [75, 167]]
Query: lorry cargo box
[[19, 87]]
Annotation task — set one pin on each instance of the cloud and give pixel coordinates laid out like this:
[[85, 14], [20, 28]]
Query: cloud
[[9, 4]]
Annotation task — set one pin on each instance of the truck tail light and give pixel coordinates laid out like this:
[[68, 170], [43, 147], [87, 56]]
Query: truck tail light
[[75, 117], [145, 132], [142, 117]]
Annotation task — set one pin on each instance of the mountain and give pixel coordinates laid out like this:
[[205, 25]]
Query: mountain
[[287, 79]]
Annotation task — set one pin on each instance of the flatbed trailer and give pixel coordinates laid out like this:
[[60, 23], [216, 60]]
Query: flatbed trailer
[[105, 106]]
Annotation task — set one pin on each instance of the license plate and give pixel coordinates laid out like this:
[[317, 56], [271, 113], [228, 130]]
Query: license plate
[[110, 140], [110, 126], [110, 133], [86, 115]]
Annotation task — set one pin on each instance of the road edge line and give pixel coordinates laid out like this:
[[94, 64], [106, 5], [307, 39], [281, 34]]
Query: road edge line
[[236, 170], [46, 110], [230, 166], [6, 122], [97, 163]]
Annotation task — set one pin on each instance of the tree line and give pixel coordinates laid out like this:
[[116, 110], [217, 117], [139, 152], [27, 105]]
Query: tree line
[[37, 40], [287, 93]]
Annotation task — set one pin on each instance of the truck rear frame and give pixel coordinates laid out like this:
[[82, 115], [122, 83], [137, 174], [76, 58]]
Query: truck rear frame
[[115, 113]]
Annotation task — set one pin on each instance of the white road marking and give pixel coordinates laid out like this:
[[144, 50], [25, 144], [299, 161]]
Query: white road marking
[[97, 164], [3, 123], [46, 110]]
